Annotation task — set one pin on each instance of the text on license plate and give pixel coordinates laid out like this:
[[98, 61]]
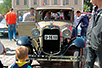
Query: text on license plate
[[51, 37]]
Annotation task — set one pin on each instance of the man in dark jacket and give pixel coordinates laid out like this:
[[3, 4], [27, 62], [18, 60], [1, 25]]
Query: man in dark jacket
[[84, 23], [94, 36]]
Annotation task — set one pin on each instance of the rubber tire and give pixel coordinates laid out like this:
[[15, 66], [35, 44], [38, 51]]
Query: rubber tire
[[76, 53], [30, 52], [5, 34]]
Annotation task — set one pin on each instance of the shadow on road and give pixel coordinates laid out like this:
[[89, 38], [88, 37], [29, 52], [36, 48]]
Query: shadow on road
[[8, 49]]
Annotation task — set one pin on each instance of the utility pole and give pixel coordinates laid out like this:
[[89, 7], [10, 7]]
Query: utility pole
[[39, 2], [82, 5], [61, 2], [29, 3], [12, 3], [50, 2]]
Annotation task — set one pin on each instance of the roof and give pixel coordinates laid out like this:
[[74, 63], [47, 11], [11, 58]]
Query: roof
[[54, 7]]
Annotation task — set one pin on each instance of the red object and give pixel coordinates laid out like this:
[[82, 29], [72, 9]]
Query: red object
[[11, 18], [43, 3], [87, 13]]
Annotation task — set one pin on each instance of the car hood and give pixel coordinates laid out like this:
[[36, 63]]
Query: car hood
[[58, 23], [3, 25]]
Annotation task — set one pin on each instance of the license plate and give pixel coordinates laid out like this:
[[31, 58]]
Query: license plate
[[51, 37]]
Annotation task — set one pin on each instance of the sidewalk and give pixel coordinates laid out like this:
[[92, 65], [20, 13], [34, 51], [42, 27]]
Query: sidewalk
[[10, 46]]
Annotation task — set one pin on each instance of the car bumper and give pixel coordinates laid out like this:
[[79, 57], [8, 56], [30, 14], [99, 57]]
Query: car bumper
[[3, 30], [56, 58]]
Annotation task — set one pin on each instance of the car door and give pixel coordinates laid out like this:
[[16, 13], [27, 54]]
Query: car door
[[25, 27]]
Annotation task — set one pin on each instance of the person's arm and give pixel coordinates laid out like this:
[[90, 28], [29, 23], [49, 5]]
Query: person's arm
[[24, 17], [3, 48], [79, 22]]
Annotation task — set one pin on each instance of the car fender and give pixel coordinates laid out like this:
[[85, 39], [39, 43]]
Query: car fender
[[24, 40], [28, 42], [79, 42]]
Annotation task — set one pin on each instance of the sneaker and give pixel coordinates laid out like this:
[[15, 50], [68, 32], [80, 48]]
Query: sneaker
[[10, 39], [14, 39]]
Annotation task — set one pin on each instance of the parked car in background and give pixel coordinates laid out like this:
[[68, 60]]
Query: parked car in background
[[4, 28]]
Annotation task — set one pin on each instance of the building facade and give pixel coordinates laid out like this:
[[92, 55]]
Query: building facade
[[77, 4]]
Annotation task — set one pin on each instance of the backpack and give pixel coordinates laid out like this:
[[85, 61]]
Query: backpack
[[24, 66]]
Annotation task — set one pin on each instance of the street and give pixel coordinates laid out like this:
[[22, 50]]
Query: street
[[9, 59]]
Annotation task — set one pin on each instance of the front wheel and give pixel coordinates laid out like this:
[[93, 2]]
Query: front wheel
[[31, 53], [76, 53]]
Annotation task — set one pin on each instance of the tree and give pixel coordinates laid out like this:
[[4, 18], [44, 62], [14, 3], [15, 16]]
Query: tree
[[5, 6], [87, 6]]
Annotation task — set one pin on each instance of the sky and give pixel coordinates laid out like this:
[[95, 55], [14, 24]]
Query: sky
[[1, 1]]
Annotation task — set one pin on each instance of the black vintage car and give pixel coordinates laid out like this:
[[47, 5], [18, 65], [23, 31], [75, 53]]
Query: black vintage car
[[54, 39]]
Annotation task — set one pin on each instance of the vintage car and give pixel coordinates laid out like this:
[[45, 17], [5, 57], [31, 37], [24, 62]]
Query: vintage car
[[53, 39]]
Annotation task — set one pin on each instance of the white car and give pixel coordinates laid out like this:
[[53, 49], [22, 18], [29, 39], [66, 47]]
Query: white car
[[3, 27]]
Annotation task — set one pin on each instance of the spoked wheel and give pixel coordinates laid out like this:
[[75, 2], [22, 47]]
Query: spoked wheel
[[76, 53]]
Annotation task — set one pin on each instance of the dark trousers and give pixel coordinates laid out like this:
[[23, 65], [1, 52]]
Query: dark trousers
[[91, 57], [83, 31]]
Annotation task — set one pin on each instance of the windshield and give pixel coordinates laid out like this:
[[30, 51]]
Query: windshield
[[25, 16], [64, 15], [3, 21]]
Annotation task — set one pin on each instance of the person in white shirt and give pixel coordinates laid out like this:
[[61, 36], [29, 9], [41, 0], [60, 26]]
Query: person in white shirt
[[29, 16]]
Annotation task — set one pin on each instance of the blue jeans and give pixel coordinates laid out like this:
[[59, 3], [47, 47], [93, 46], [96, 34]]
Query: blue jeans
[[12, 31], [74, 32]]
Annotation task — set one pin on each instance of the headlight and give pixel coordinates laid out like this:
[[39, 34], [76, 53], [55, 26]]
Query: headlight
[[35, 32], [66, 33]]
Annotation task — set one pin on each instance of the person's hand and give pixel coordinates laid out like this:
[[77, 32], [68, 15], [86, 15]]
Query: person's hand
[[6, 24]]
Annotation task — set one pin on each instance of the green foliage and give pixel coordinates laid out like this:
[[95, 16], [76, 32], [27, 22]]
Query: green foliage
[[87, 6], [5, 6]]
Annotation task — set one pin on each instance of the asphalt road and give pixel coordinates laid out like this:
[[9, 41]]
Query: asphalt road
[[9, 59]]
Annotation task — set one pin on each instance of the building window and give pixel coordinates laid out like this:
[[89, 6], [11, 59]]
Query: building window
[[45, 1], [66, 2], [75, 2], [17, 2], [35, 2], [55, 2], [25, 2]]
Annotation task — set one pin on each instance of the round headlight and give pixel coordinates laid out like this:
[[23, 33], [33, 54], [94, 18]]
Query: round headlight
[[66, 33], [35, 32]]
